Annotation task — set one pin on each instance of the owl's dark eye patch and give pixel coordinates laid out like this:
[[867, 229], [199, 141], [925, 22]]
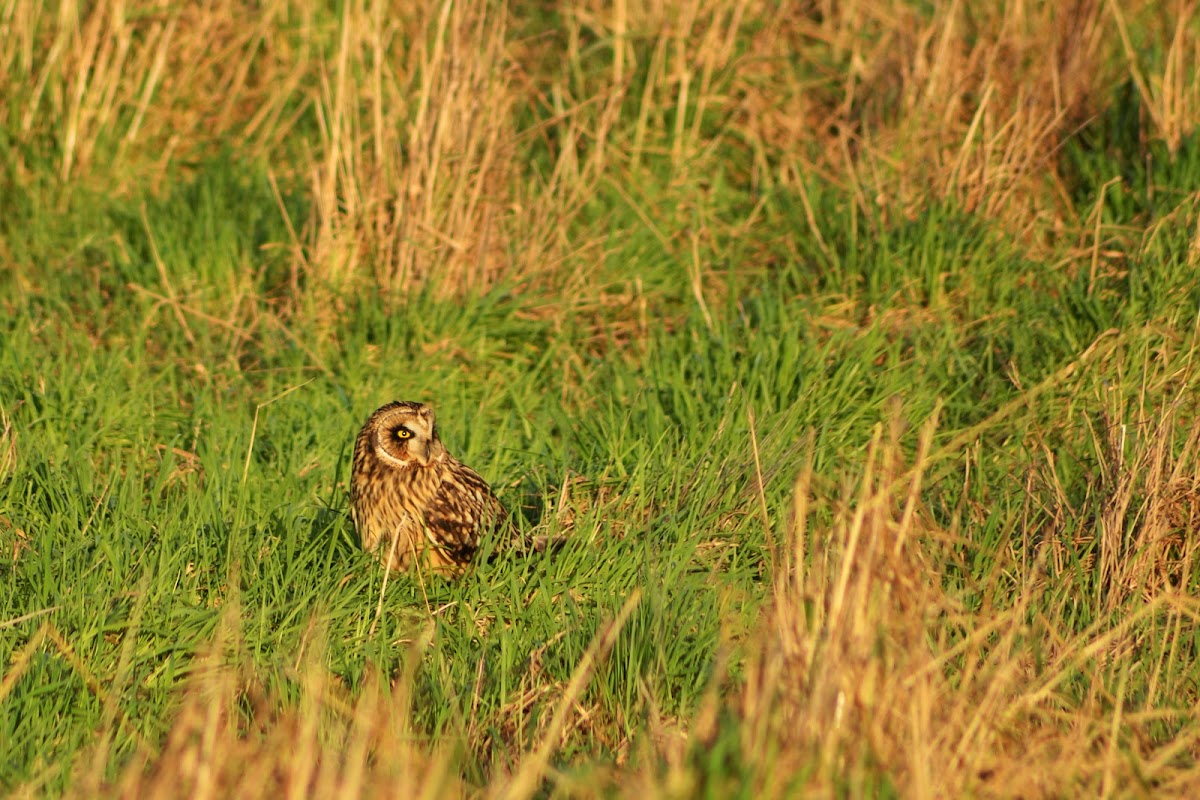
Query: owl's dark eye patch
[[403, 433]]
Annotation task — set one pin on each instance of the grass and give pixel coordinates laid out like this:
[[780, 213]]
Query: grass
[[851, 347]]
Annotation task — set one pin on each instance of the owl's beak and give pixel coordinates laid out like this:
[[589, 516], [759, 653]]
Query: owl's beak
[[425, 455]]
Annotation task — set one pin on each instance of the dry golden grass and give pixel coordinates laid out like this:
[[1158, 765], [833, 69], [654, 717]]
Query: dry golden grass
[[232, 737], [124, 90], [863, 657], [8, 446]]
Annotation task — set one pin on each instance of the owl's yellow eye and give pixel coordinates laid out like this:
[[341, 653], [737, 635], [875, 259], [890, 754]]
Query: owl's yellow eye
[[403, 433]]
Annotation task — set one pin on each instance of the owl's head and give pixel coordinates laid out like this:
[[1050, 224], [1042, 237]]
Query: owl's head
[[404, 434]]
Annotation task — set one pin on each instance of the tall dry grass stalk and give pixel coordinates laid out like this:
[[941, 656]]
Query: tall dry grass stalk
[[1170, 92], [8, 446]]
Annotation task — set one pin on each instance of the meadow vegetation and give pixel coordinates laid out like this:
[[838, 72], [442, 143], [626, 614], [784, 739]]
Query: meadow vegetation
[[851, 345]]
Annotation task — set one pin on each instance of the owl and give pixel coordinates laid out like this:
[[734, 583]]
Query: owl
[[414, 504]]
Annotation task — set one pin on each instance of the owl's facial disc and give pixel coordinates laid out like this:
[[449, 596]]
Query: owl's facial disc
[[409, 438]]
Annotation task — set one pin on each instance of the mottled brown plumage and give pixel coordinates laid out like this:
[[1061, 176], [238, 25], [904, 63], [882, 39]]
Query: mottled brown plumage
[[414, 504]]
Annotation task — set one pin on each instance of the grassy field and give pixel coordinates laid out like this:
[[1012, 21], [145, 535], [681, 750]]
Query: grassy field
[[850, 345]]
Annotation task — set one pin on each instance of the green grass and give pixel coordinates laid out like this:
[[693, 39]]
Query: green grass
[[133, 516], [183, 405]]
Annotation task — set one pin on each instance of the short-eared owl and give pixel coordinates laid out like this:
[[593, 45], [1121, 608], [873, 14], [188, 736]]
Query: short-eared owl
[[412, 502]]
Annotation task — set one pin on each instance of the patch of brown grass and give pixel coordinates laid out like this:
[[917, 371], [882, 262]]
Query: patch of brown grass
[[1145, 491], [416, 162], [123, 91], [413, 124], [866, 659], [964, 102], [231, 737]]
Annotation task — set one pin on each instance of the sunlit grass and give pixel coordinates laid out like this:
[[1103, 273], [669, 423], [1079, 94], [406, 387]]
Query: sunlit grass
[[857, 372]]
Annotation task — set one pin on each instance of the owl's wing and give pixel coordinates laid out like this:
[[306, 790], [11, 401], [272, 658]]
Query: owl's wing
[[464, 511]]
